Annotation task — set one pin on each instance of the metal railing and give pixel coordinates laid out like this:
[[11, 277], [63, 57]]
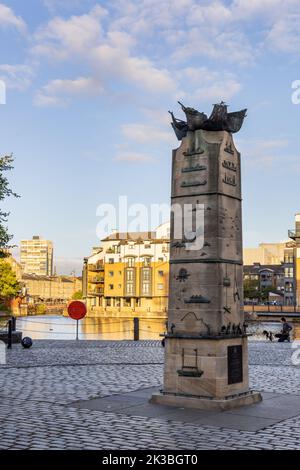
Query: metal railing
[[272, 308]]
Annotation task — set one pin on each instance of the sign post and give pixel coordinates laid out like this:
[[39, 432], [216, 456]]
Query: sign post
[[77, 311]]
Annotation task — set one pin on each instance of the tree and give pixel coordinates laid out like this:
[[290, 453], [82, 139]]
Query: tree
[[5, 191], [251, 289], [77, 295], [9, 285]]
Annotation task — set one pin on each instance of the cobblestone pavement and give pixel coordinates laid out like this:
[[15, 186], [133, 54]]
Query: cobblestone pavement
[[38, 386]]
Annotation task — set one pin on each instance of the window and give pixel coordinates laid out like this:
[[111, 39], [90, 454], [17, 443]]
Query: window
[[146, 281], [146, 261], [130, 262], [146, 288], [111, 286], [147, 247], [146, 274], [111, 273], [288, 272], [119, 286], [160, 286], [111, 260], [160, 273], [129, 275], [129, 289], [288, 287]]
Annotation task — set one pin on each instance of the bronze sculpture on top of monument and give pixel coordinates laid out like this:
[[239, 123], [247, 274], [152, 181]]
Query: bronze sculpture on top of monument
[[206, 345], [219, 120]]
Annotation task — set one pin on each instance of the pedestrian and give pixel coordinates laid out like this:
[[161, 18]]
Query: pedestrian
[[285, 332]]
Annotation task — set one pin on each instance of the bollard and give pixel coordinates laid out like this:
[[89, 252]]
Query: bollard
[[9, 334], [14, 323], [136, 329]]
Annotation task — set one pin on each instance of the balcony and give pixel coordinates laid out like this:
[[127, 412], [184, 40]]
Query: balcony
[[96, 267], [96, 280], [292, 234], [97, 291]]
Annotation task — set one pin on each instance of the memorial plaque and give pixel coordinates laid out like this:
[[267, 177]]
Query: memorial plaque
[[235, 364]]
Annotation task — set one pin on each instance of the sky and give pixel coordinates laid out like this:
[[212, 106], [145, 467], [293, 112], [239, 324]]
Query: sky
[[89, 84]]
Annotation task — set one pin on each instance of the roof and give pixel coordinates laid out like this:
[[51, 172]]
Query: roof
[[131, 236], [37, 277], [257, 268]]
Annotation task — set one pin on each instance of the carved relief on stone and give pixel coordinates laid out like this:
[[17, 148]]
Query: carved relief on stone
[[192, 323], [188, 184], [229, 148], [232, 329], [178, 244], [189, 364], [229, 180], [182, 275], [197, 299], [229, 165], [193, 168]]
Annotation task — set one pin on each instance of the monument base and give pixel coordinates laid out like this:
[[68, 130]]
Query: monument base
[[209, 404]]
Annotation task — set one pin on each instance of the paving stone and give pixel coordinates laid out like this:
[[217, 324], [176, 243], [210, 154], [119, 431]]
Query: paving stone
[[40, 386]]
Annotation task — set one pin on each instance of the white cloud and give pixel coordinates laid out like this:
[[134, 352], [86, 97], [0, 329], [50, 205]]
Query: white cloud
[[157, 115], [8, 18], [57, 92], [108, 54], [133, 157], [214, 13], [56, 5], [209, 85], [16, 77], [115, 61], [64, 39], [285, 34], [265, 153], [143, 133], [243, 10], [223, 46], [189, 27], [107, 44]]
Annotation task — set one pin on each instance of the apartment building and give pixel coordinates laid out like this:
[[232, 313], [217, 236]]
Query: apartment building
[[36, 256], [51, 289], [129, 270]]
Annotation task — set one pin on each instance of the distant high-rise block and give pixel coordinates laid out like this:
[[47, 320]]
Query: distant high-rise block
[[37, 256]]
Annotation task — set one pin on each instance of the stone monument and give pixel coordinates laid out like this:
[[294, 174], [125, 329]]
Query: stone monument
[[206, 353]]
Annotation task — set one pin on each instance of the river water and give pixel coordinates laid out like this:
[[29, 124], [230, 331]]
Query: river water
[[59, 327]]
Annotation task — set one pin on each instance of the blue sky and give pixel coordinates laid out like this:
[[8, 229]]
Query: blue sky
[[89, 84]]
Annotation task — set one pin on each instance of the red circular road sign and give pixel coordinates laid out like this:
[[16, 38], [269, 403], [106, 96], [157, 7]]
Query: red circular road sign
[[77, 310]]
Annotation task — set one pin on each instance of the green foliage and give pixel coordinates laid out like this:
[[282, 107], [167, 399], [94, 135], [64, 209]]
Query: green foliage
[[77, 295], [251, 289], [5, 191], [40, 309], [9, 285]]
